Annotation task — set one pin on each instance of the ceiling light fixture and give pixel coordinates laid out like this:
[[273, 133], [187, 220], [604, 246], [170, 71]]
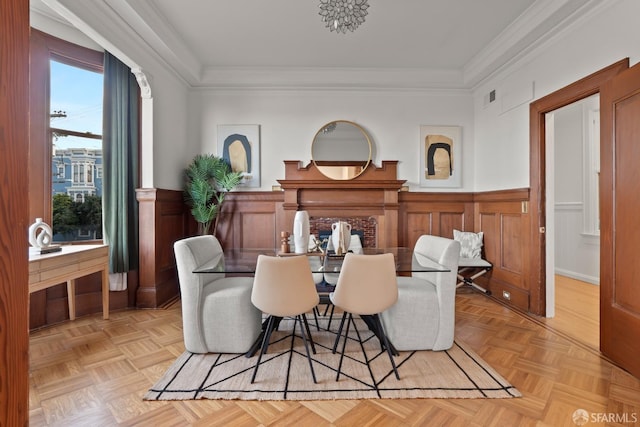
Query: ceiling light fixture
[[343, 15]]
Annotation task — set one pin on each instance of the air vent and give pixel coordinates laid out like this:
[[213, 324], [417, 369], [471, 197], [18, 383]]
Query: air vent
[[489, 98]]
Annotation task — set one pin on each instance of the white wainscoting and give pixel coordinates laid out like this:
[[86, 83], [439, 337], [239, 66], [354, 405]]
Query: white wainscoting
[[577, 255]]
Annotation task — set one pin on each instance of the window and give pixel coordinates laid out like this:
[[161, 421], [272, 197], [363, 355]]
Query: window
[[66, 93], [76, 128]]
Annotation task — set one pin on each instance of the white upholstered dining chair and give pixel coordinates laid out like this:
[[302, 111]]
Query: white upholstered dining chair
[[424, 316], [217, 314]]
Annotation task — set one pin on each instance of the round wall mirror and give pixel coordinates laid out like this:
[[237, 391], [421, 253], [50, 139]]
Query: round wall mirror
[[341, 150]]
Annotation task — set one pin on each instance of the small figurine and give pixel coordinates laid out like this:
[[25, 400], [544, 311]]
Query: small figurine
[[318, 244], [284, 242]]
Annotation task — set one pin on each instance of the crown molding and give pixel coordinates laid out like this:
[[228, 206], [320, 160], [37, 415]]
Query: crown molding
[[348, 78], [543, 20], [137, 33], [153, 30]]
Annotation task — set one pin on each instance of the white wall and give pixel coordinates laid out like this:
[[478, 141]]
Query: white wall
[[606, 35], [577, 254], [172, 150], [289, 120], [567, 144]]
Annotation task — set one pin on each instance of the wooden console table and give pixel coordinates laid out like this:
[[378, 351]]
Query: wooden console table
[[72, 262]]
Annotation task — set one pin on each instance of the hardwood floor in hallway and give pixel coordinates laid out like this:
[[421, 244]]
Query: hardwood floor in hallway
[[577, 311], [94, 372]]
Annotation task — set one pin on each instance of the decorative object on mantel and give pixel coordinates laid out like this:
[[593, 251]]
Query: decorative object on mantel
[[40, 236], [301, 232], [343, 15], [207, 180]]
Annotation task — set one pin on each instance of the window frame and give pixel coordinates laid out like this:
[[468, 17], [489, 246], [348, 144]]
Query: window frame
[[45, 47]]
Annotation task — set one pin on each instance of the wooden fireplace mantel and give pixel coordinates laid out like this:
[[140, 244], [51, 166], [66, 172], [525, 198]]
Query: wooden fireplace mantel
[[374, 193]]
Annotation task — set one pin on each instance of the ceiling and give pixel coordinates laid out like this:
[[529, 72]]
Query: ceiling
[[428, 43]]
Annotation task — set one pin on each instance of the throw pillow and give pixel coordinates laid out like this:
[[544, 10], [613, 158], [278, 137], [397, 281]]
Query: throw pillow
[[470, 243]]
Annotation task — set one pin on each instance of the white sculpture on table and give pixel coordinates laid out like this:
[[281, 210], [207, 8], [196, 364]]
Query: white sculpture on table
[[301, 232], [40, 234], [340, 236]]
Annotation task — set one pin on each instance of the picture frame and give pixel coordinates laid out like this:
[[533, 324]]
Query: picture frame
[[440, 156], [239, 145]]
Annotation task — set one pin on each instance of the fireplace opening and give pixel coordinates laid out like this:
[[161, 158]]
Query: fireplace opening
[[366, 228]]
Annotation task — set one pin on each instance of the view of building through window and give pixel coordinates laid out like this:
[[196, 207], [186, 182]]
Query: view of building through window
[[76, 152]]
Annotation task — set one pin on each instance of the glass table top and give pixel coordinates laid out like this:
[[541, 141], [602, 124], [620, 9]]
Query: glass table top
[[244, 261]]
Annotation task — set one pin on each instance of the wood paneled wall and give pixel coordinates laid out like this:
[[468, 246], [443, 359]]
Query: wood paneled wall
[[255, 219], [433, 213], [249, 220], [164, 218], [503, 217]]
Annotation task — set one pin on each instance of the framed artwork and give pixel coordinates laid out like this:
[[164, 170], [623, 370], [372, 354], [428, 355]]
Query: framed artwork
[[239, 145], [440, 156]]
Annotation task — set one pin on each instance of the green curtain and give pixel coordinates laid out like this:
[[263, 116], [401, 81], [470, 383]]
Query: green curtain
[[120, 142]]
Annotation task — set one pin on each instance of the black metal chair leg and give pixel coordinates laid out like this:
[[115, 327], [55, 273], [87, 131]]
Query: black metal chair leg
[[330, 316], [344, 344], [316, 313], [335, 344], [326, 308], [380, 328], [306, 325], [263, 350], [306, 345], [364, 353]]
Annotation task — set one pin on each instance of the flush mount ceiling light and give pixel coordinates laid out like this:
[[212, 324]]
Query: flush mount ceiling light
[[343, 15]]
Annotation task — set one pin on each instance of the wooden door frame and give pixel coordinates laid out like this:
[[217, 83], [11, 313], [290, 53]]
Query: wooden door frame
[[576, 91], [14, 220]]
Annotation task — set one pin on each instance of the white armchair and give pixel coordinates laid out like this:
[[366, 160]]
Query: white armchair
[[217, 313], [424, 316]]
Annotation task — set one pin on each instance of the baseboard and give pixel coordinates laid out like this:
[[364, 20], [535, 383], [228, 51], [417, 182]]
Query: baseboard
[[578, 276]]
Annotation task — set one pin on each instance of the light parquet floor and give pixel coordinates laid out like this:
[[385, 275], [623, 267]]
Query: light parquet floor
[[577, 311], [94, 372]]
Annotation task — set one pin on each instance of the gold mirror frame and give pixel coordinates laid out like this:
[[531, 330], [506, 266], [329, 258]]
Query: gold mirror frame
[[341, 150]]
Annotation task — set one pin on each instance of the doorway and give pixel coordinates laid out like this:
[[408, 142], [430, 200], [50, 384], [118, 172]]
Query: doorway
[[572, 135], [590, 85]]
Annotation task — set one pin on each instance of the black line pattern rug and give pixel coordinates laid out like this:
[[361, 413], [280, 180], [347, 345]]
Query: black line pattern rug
[[284, 372]]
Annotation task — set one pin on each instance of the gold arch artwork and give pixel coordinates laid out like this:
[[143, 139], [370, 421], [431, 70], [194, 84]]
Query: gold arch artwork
[[440, 156]]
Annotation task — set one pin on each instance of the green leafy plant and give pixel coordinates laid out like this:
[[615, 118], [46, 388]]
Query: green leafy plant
[[208, 178]]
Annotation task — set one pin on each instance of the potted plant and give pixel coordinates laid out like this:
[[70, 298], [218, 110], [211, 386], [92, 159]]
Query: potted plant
[[208, 178]]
